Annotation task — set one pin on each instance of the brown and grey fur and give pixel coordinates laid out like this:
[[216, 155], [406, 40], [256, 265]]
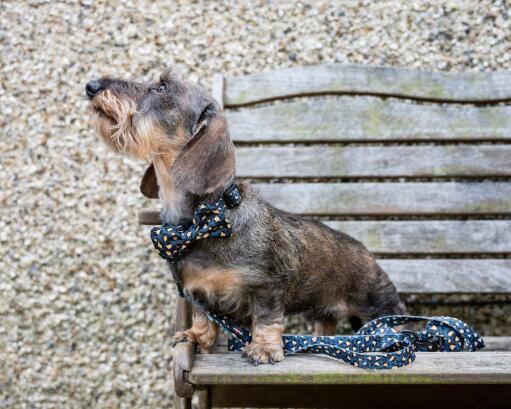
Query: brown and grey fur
[[275, 263]]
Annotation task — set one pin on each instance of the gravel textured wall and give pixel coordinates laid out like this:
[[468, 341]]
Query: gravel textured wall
[[85, 307]]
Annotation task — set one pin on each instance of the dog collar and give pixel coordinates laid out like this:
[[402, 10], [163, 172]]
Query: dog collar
[[174, 241], [232, 196]]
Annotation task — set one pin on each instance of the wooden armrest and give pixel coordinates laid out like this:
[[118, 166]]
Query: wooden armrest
[[149, 216], [183, 359]]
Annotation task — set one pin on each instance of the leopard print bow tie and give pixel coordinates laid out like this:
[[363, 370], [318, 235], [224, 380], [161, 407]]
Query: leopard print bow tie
[[173, 242]]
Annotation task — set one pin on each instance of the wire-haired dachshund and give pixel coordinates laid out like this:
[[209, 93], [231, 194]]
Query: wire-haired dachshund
[[275, 263]]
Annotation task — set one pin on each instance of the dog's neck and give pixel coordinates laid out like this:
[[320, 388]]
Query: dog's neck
[[175, 203]]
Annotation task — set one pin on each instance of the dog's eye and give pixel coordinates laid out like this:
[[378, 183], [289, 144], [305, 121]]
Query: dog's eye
[[161, 88]]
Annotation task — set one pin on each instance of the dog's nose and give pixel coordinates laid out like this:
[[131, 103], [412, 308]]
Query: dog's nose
[[92, 88]]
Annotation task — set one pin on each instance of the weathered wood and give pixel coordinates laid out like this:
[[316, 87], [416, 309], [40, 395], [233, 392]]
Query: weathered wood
[[362, 396], [366, 118], [448, 276], [453, 198], [429, 368], [464, 276], [461, 379], [497, 344], [203, 398], [217, 90], [390, 198], [183, 358], [182, 403], [380, 161], [183, 314], [414, 237], [431, 236], [385, 81]]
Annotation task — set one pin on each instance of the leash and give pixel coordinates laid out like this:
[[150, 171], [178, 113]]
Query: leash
[[376, 345]]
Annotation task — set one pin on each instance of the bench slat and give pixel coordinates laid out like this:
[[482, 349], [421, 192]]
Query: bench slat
[[439, 86], [430, 237], [414, 237], [429, 368], [364, 118], [453, 198], [367, 161], [449, 276], [497, 343]]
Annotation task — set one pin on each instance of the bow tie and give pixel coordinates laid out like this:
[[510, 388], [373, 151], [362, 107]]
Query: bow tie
[[173, 241]]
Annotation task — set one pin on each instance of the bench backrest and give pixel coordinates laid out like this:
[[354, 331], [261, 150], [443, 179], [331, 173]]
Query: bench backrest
[[414, 164]]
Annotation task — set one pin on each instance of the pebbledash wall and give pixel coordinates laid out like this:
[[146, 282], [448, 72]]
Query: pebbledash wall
[[85, 305]]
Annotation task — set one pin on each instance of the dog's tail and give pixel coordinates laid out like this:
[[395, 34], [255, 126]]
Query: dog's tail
[[381, 299], [386, 296]]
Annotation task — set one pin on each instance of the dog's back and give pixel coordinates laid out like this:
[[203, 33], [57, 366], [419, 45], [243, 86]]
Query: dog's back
[[332, 274]]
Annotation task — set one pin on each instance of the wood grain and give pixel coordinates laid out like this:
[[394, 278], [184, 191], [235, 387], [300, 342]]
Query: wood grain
[[363, 199], [415, 237], [497, 344], [371, 161], [217, 90], [453, 198], [430, 237], [183, 358], [183, 314], [385, 81], [364, 118], [449, 276], [429, 368]]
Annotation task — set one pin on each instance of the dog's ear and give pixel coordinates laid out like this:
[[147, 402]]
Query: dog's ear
[[149, 184], [206, 164]]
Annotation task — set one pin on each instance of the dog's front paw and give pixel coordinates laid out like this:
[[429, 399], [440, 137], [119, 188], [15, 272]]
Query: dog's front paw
[[263, 353], [204, 340], [183, 336]]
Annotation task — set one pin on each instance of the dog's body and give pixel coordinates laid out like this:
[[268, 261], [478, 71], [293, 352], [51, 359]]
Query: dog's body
[[275, 263]]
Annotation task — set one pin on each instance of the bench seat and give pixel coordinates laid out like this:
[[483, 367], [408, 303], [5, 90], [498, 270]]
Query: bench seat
[[463, 379], [441, 368]]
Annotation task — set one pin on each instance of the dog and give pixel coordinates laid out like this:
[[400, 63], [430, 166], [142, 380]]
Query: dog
[[275, 263]]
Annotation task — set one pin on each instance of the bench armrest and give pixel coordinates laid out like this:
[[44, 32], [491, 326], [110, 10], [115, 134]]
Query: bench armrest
[[149, 216], [183, 358]]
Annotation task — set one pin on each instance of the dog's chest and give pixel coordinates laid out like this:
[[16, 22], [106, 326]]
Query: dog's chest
[[174, 202], [215, 285], [173, 205]]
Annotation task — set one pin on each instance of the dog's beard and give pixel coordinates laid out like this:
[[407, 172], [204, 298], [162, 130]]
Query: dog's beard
[[121, 128]]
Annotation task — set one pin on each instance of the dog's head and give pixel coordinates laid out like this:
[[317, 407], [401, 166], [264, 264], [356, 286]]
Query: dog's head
[[171, 120]]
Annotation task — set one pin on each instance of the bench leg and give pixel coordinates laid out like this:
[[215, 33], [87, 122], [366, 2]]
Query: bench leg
[[183, 356], [204, 398], [182, 403]]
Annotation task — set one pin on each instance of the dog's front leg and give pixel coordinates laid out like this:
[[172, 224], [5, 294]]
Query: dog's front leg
[[203, 333], [267, 329]]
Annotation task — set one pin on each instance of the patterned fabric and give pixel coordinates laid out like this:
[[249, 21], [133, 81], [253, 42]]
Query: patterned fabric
[[173, 242]]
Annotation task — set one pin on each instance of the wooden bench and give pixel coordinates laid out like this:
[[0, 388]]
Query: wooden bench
[[414, 164]]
